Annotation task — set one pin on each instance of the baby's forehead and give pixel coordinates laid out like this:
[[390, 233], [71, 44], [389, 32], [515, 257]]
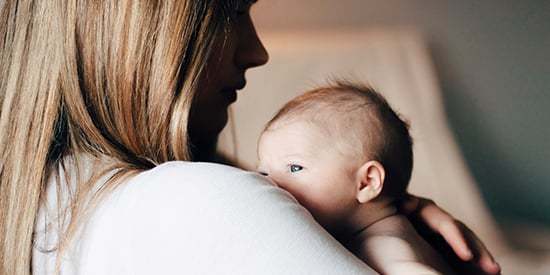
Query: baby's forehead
[[296, 125], [327, 120], [291, 137], [304, 132], [331, 133], [307, 124]]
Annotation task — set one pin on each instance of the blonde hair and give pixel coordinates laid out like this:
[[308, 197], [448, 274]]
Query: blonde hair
[[359, 116], [113, 79]]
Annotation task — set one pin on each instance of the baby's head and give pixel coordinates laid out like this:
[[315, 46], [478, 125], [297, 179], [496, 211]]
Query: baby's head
[[336, 146]]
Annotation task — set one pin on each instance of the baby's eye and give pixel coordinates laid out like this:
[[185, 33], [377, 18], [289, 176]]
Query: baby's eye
[[263, 174], [295, 168]]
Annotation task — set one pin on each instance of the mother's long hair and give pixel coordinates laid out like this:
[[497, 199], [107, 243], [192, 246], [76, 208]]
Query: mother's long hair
[[107, 78]]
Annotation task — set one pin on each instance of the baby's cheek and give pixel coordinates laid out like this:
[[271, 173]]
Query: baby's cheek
[[326, 206], [297, 193], [320, 213]]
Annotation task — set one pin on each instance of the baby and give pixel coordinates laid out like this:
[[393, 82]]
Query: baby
[[346, 156]]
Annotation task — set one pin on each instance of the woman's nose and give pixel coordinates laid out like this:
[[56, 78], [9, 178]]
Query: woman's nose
[[251, 52], [259, 55]]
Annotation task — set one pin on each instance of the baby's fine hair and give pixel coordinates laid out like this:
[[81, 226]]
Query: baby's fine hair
[[361, 117]]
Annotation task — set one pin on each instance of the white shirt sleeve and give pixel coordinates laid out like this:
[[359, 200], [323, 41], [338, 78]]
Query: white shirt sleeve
[[202, 218]]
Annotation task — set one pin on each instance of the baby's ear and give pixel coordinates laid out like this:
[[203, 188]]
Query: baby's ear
[[370, 180]]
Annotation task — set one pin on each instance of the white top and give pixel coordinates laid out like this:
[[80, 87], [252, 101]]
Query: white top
[[195, 218]]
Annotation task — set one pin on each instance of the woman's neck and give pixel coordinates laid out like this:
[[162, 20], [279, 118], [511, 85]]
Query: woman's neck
[[203, 150]]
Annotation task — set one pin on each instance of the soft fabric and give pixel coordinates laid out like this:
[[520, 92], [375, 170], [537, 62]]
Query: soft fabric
[[194, 218]]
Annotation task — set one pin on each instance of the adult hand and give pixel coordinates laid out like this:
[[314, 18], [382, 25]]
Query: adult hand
[[462, 249]]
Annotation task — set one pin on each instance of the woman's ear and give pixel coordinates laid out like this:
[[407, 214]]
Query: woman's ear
[[370, 178]]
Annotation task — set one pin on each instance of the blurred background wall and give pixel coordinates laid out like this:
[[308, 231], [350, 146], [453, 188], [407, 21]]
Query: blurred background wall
[[493, 62]]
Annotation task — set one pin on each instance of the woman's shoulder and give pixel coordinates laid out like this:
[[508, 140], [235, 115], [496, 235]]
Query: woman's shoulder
[[178, 186], [181, 211], [185, 176], [186, 170]]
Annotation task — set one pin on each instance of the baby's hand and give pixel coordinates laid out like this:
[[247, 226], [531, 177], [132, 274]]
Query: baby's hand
[[464, 251]]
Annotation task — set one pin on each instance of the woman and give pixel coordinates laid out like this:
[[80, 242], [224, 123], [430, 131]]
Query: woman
[[104, 103]]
